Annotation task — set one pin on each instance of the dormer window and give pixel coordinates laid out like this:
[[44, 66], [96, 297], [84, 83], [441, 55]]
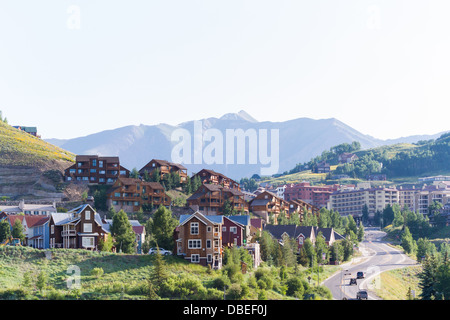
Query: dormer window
[[87, 215]]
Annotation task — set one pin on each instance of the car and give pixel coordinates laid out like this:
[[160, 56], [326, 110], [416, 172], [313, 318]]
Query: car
[[360, 275], [362, 294], [353, 281], [161, 251]]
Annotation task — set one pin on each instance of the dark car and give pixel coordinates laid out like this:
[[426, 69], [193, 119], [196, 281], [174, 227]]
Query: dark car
[[362, 295], [360, 275], [353, 281]]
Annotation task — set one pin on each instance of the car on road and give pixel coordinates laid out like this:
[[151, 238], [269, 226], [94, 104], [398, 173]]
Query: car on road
[[353, 281], [360, 275], [162, 251], [362, 294]]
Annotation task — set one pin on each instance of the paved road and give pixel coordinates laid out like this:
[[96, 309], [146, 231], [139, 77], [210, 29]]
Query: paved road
[[376, 257]]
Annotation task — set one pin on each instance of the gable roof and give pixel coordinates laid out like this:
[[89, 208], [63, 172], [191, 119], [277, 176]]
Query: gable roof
[[293, 231], [184, 218]]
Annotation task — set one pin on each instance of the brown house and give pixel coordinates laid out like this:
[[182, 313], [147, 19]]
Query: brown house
[[199, 239], [96, 170], [165, 167], [80, 228], [132, 194], [210, 199], [212, 177], [267, 203]]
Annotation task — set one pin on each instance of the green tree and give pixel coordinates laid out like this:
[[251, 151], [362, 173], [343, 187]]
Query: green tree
[[360, 233], [163, 227], [5, 230], [18, 231], [428, 277], [408, 242], [122, 231], [159, 272], [134, 173]]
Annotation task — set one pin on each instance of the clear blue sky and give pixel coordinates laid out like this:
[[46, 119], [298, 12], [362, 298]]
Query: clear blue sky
[[382, 67]]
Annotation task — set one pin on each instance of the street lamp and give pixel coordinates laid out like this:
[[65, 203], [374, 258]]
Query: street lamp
[[342, 281]]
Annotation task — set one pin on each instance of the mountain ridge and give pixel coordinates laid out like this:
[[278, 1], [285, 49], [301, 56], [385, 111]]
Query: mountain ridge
[[300, 140]]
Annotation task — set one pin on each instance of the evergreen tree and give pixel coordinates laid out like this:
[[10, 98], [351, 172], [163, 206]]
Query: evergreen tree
[[408, 242], [122, 231], [159, 273], [5, 230], [17, 231], [163, 227], [428, 278]]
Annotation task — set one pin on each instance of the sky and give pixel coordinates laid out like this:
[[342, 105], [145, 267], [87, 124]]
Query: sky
[[76, 67]]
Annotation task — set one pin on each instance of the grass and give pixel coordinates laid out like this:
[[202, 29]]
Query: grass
[[110, 276], [396, 283], [19, 148]]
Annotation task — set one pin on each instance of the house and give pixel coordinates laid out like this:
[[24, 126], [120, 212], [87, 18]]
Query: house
[[267, 203], [322, 167], [233, 232], [35, 229], [28, 208], [329, 234], [211, 198], [165, 168], [29, 130], [199, 239], [94, 169], [347, 157], [301, 207], [299, 233], [131, 195], [80, 228], [211, 177]]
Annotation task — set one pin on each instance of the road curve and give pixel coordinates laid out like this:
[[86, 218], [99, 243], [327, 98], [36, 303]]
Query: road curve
[[376, 257]]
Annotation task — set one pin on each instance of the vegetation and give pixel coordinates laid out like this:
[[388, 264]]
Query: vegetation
[[26, 273], [18, 148]]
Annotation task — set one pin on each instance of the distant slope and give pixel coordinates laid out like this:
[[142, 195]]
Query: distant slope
[[18, 148], [300, 140], [30, 167]]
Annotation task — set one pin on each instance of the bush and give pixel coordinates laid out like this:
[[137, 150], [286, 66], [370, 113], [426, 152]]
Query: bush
[[97, 272]]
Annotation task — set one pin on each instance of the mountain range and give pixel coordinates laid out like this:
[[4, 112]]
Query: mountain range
[[299, 140]]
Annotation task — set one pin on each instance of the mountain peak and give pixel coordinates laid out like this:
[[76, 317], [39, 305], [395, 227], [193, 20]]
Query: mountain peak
[[241, 115]]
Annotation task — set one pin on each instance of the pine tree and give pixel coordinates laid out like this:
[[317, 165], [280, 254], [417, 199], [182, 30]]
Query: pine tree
[[123, 233], [159, 273], [428, 278]]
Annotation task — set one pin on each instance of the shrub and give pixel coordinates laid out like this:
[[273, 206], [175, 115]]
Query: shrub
[[97, 272]]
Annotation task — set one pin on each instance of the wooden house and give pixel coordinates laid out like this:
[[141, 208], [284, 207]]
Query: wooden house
[[80, 228], [95, 170], [267, 203], [199, 239], [210, 199], [211, 177], [130, 195], [165, 167]]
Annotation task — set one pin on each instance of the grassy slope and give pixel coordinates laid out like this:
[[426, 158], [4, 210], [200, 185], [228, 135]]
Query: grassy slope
[[395, 283], [18, 148]]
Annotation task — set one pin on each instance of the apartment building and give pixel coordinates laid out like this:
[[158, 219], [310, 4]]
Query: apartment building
[[439, 192], [352, 201], [131, 195], [165, 168], [211, 177], [96, 170], [315, 195], [209, 199], [267, 203]]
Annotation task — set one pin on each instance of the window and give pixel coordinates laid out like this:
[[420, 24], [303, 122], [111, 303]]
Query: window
[[87, 227], [88, 242], [195, 258], [224, 229], [233, 230], [94, 162], [100, 163], [208, 229], [194, 244], [52, 229], [208, 244], [87, 215], [194, 227], [209, 258]]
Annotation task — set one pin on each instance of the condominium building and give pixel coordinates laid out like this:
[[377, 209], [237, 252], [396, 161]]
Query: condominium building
[[96, 170], [352, 201]]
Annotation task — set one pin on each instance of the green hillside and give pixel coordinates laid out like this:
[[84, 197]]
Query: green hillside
[[111, 276], [18, 148]]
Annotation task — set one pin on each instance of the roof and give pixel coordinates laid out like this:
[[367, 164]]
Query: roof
[[213, 219], [60, 218], [244, 220], [132, 181], [293, 231]]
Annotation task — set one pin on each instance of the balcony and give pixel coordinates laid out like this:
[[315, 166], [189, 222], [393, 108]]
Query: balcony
[[68, 233]]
